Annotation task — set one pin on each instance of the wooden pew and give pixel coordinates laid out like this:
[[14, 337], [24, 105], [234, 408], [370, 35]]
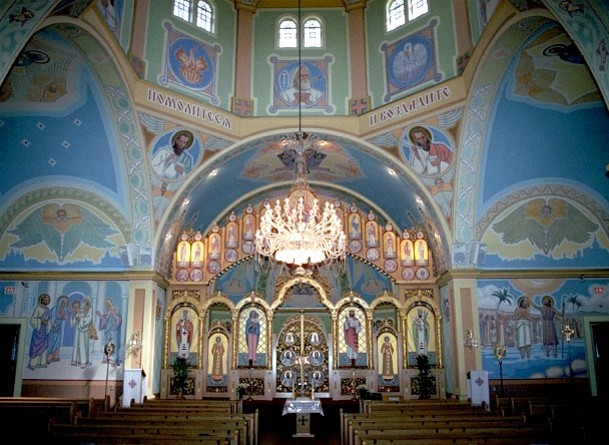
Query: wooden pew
[[105, 438], [436, 420], [371, 406], [410, 410], [453, 423], [246, 422], [524, 434], [29, 417], [183, 409], [233, 406], [237, 435]]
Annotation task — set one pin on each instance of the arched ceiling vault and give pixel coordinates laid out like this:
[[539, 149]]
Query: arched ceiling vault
[[352, 171]]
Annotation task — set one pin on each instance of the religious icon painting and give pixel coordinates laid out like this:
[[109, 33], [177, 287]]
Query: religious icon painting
[[196, 254], [352, 344], [421, 334], [407, 252], [196, 275], [231, 255], [183, 253], [182, 275], [428, 149], [355, 246], [190, 63], [387, 347], [421, 252], [301, 86], [253, 331], [174, 154], [389, 245], [215, 246], [184, 334], [355, 226], [410, 61], [422, 273], [231, 240], [213, 267], [248, 247], [391, 266], [372, 234], [217, 360], [408, 273], [249, 225]]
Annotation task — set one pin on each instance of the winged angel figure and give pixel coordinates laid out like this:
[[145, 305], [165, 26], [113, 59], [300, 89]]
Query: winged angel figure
[[62, 229], [546, 224]]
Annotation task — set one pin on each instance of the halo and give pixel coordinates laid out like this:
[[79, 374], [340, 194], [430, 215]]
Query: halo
[[416, 129], [177, 134]]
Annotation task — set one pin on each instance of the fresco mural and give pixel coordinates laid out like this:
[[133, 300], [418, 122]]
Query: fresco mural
[[529, 317], [190, 63], [368, 282], [410, 61], [427, 150], [304, 86], [64, 233], [69, 323], [111, 11]]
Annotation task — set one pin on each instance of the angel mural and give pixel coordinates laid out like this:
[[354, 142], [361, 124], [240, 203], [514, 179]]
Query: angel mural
[[62, 229], [546, 224]]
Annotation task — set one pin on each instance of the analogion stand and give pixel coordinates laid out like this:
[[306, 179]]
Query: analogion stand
[[303, 408]]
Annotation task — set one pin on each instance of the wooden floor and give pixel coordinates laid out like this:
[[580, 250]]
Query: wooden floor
[[277, 429]]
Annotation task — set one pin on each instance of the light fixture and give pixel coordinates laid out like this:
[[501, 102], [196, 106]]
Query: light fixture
[[300, 231], [469, 340], [499, 351], [134, 344]]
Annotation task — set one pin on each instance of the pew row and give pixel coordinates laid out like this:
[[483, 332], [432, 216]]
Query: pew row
[[248, 422], [29, 417], [451, 423], [524, 435]]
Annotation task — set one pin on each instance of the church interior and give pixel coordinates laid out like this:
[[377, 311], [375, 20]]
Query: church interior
[[163, 160]]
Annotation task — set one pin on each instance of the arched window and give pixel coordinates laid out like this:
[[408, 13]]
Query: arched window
[[312, 34], [205, 16], [288, 34], [396, 12], [417, 8], [396, 15], [181, 8]]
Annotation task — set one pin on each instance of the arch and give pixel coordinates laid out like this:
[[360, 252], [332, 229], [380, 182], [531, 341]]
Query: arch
[[475, 122], [283, 288], [185, 303]]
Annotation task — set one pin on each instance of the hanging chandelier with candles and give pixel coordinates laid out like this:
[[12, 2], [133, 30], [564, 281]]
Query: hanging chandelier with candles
[[301, 231]]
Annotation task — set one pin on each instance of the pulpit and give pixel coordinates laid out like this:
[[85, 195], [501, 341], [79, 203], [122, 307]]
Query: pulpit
[[477, 388], [134, 386], [303, 408]]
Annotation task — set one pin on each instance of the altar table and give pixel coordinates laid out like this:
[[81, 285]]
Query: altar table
[[303, 408]]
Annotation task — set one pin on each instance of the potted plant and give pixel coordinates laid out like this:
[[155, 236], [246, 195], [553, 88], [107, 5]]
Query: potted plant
[[180, 376], [242, 389], [425, 378], [362, 390]]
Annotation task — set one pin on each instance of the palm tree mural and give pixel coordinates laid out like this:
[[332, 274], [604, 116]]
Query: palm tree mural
[[503, 296], [574, 301]]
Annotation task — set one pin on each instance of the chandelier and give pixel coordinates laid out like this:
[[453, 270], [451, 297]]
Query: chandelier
[[300, 231]]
